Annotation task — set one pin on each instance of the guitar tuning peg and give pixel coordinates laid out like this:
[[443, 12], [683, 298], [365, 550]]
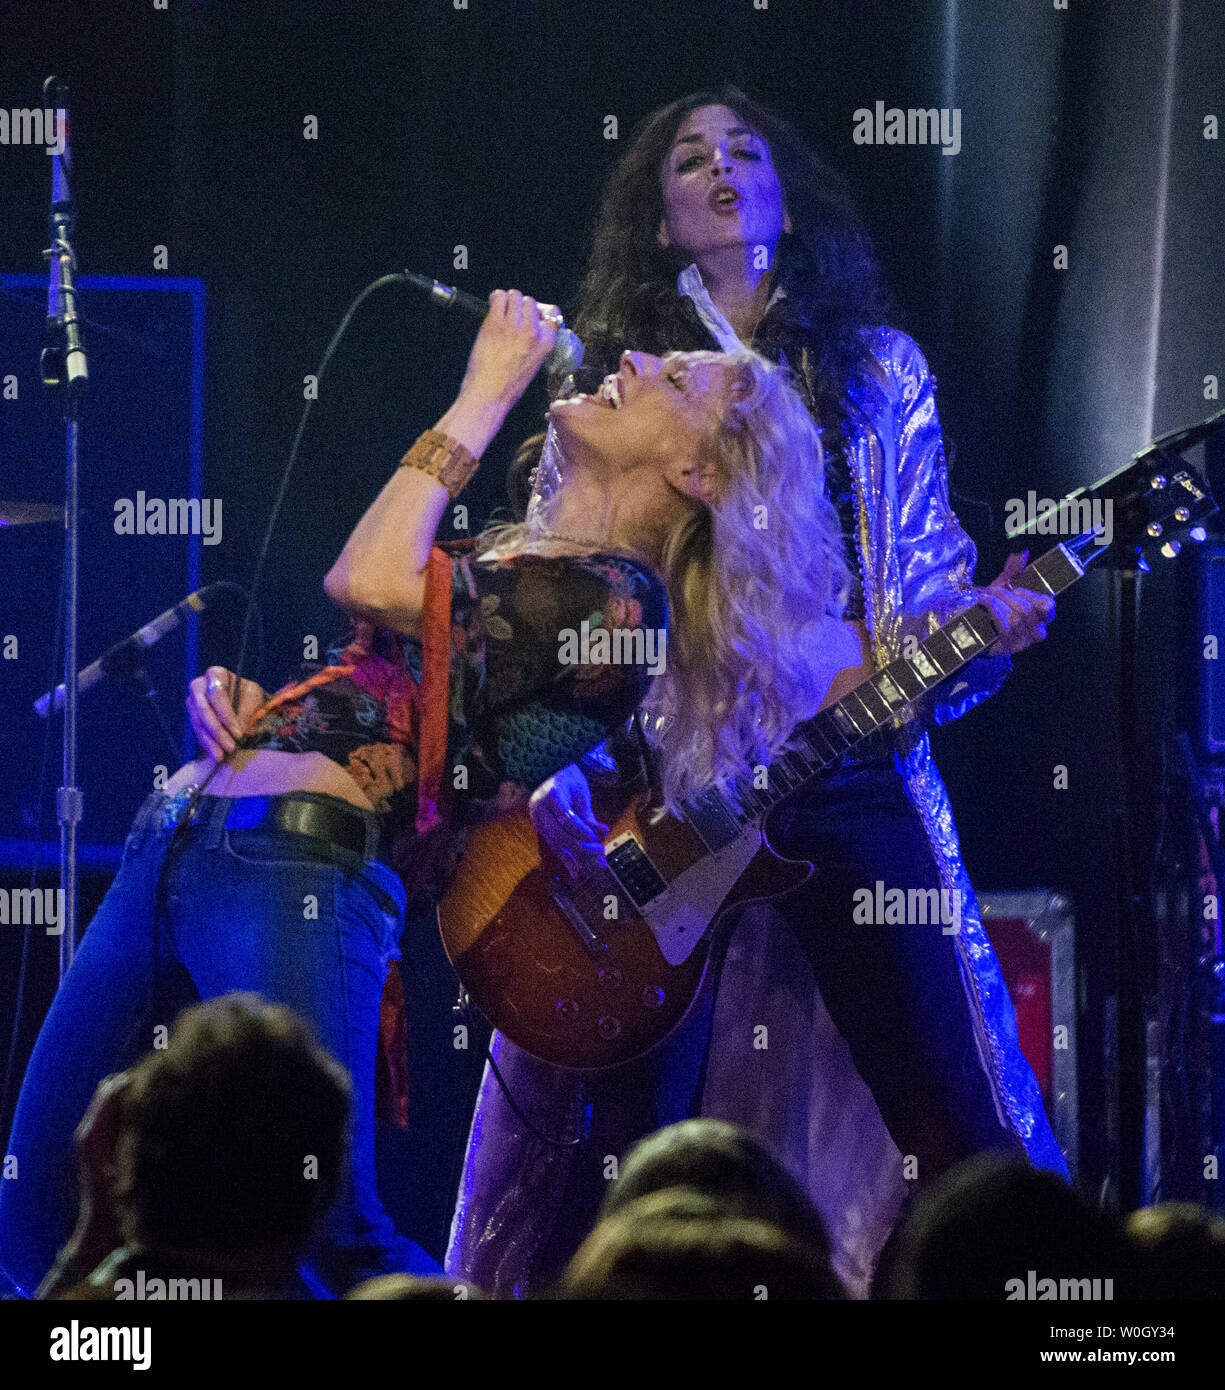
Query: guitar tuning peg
[[1198, 534], [1171, 548], [1142, 564]]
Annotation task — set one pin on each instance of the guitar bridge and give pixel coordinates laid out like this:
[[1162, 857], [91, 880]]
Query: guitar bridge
[[565, 905]]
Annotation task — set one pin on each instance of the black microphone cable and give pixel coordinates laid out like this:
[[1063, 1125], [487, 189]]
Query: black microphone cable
[[283, 489]]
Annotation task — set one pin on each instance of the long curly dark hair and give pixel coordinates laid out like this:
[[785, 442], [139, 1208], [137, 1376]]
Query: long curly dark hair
[[826, 265]]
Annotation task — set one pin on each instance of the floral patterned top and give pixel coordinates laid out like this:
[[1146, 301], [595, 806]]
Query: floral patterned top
[[529, 691]]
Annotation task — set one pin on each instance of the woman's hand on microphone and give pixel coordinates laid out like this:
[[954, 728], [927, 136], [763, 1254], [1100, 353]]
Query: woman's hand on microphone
[[515, 338], [218, 722]]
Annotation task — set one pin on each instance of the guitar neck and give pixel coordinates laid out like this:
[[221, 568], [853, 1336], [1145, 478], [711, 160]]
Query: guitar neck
[[820, 742], [877, 701]]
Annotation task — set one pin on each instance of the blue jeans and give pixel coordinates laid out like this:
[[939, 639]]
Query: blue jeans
[[197, 915]]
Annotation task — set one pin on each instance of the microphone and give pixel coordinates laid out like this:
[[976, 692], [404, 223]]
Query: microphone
[[64, 358], [567, 351], [124, 656]]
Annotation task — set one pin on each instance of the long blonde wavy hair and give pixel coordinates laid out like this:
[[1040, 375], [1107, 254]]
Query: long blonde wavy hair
[[746, 578]]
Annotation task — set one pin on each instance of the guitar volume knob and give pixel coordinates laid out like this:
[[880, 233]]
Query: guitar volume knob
[[653, 997], [567, 1010], [610, 978], [609, 1028]]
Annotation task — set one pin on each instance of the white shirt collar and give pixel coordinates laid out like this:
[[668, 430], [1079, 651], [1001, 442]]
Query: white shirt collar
[[689, 282]]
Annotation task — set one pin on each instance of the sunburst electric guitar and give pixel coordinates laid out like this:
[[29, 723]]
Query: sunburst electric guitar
[[590, 973]]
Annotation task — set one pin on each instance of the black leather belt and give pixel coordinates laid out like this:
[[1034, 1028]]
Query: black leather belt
[[320, 817]]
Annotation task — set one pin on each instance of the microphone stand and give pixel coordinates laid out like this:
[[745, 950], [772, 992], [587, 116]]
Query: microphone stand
[[1135, 1162], [64, 370], [1132, 982]]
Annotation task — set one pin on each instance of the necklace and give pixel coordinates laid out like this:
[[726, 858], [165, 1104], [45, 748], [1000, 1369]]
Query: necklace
[[571, 540], [596, 547]]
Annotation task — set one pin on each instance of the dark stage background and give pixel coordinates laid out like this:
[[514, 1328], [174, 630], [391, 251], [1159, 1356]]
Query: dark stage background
[[485, 128]]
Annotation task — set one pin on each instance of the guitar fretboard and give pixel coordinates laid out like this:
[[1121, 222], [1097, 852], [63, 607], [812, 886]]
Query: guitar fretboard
[[820, 742]]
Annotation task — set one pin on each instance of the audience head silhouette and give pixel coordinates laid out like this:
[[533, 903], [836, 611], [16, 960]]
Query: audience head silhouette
[[679, 1243], [234, 1140]]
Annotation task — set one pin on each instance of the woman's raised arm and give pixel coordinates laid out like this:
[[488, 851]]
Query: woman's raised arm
[[380, 573]]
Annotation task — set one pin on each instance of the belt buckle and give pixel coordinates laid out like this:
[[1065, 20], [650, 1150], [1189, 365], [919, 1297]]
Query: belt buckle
[[174, 808]]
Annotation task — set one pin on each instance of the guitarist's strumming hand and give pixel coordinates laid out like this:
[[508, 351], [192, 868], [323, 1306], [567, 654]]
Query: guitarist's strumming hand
[[1020, 615], [561, 811]]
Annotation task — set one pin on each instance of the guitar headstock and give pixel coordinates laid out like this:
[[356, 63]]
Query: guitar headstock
[[1153, 503]]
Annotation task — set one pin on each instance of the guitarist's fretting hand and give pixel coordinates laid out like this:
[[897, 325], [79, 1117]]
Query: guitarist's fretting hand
[[561, 811], [1020, 614]]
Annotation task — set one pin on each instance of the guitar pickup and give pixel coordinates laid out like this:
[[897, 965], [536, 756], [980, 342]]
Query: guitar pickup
[[634, 870]]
